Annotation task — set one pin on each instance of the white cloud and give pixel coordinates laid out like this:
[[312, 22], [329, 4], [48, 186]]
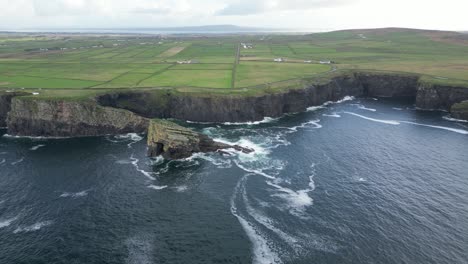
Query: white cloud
[[305, 14]]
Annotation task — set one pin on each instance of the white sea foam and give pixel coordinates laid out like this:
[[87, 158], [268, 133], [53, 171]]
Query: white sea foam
[[309, 124], [254, 171], [449, 118], [397, 108], [18, 161], [181, 188], [360, 106], [262, 253], [297, 200], [263, 121], [75, 194], [157, 187], [388, 122], [37, 147], [315, 108], [456, 130], [123, 162], [332, 115], [2, 161], [7, 222], [346, 98], [145, 173], [34, 227]]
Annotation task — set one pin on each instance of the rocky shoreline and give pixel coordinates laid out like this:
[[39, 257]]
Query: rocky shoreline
[[130, 111]]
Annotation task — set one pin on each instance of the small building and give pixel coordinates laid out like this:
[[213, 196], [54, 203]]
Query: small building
[[279, 60], [307, 61], [325, 62]]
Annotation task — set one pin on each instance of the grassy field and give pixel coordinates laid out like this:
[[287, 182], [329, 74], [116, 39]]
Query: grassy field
[[82, 62]]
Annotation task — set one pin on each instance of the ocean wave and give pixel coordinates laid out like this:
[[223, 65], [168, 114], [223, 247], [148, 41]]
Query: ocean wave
[[451, 119], [315, 108], [18, 161], [346, 98], [397, 108], [37, 147], [362, 107], [263, 121], [34, 227], [133, 137], [456, 130], [262, 253], [7, 222], [388, 122], [2, 161], [74, 195], [147, 174], [181, 188], [157, 187], [332, 115]]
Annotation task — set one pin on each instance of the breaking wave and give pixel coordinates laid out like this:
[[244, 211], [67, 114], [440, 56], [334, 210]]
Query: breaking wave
[[7, 222], [449, 118], [388, 122], [74, 195], [456, 130], [362, 107], [34, 227], [37, 147], [18, 161], [147, 174], [157, 187]]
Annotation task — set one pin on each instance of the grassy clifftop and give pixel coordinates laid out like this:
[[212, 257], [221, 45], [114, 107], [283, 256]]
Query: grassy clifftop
[[73, 67]]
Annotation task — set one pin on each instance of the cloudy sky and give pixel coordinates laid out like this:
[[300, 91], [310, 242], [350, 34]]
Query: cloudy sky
[[294, 14]]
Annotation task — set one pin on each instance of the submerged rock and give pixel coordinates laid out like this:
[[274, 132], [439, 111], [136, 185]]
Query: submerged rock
[[173, 141]]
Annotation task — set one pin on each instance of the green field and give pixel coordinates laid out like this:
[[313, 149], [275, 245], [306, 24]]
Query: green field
[[221, 63]]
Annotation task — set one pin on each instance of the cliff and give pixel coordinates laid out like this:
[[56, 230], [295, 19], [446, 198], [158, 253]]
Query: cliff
[[127, 111], [5, 105], [172, 141], [438, 97], [47, 118]]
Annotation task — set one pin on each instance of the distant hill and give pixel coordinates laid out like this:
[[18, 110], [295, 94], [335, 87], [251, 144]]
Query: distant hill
[[452, 37]]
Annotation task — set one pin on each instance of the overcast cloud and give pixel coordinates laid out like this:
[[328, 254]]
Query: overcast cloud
[[296, 14]]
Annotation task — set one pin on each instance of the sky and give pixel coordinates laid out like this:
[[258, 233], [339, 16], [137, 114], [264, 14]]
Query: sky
[[310, 15]]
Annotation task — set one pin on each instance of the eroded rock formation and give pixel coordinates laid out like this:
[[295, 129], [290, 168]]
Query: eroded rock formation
[[172, 141]]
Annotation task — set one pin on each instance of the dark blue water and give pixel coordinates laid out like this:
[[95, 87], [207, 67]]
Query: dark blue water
[[363, 181]]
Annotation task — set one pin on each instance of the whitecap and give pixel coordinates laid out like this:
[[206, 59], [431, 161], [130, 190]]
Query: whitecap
[[456, 130], [34, 227], [449, 118], [254, 171], [157, 187], [2, 161], [262, 253], [7, 222], [36, 147], [309, 124], [332, 115], [315, 108], [362, 107], [388, 122], [181, 188], [74, 195], [346, 98], [145, 173], [263, 121], [18, 161], [397, 108]]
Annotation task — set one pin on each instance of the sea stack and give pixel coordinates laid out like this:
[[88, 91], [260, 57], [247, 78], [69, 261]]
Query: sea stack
[[172, 141]]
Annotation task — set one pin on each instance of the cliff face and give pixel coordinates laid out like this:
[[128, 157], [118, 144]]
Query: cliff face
[[5, 106], [460, 110], [385, 85], [436, 97], [172, 141], [109, 115], [63, 119]]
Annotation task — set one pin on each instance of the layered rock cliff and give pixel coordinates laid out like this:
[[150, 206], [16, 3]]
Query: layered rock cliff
[[172, 141], [48, 118], [5, 105], [120, 112], [437, 97]]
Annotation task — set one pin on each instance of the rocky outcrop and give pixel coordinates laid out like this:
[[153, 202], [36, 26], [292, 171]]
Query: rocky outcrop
[[49, 118], [460, 110], [437, 97], [172, 141]]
